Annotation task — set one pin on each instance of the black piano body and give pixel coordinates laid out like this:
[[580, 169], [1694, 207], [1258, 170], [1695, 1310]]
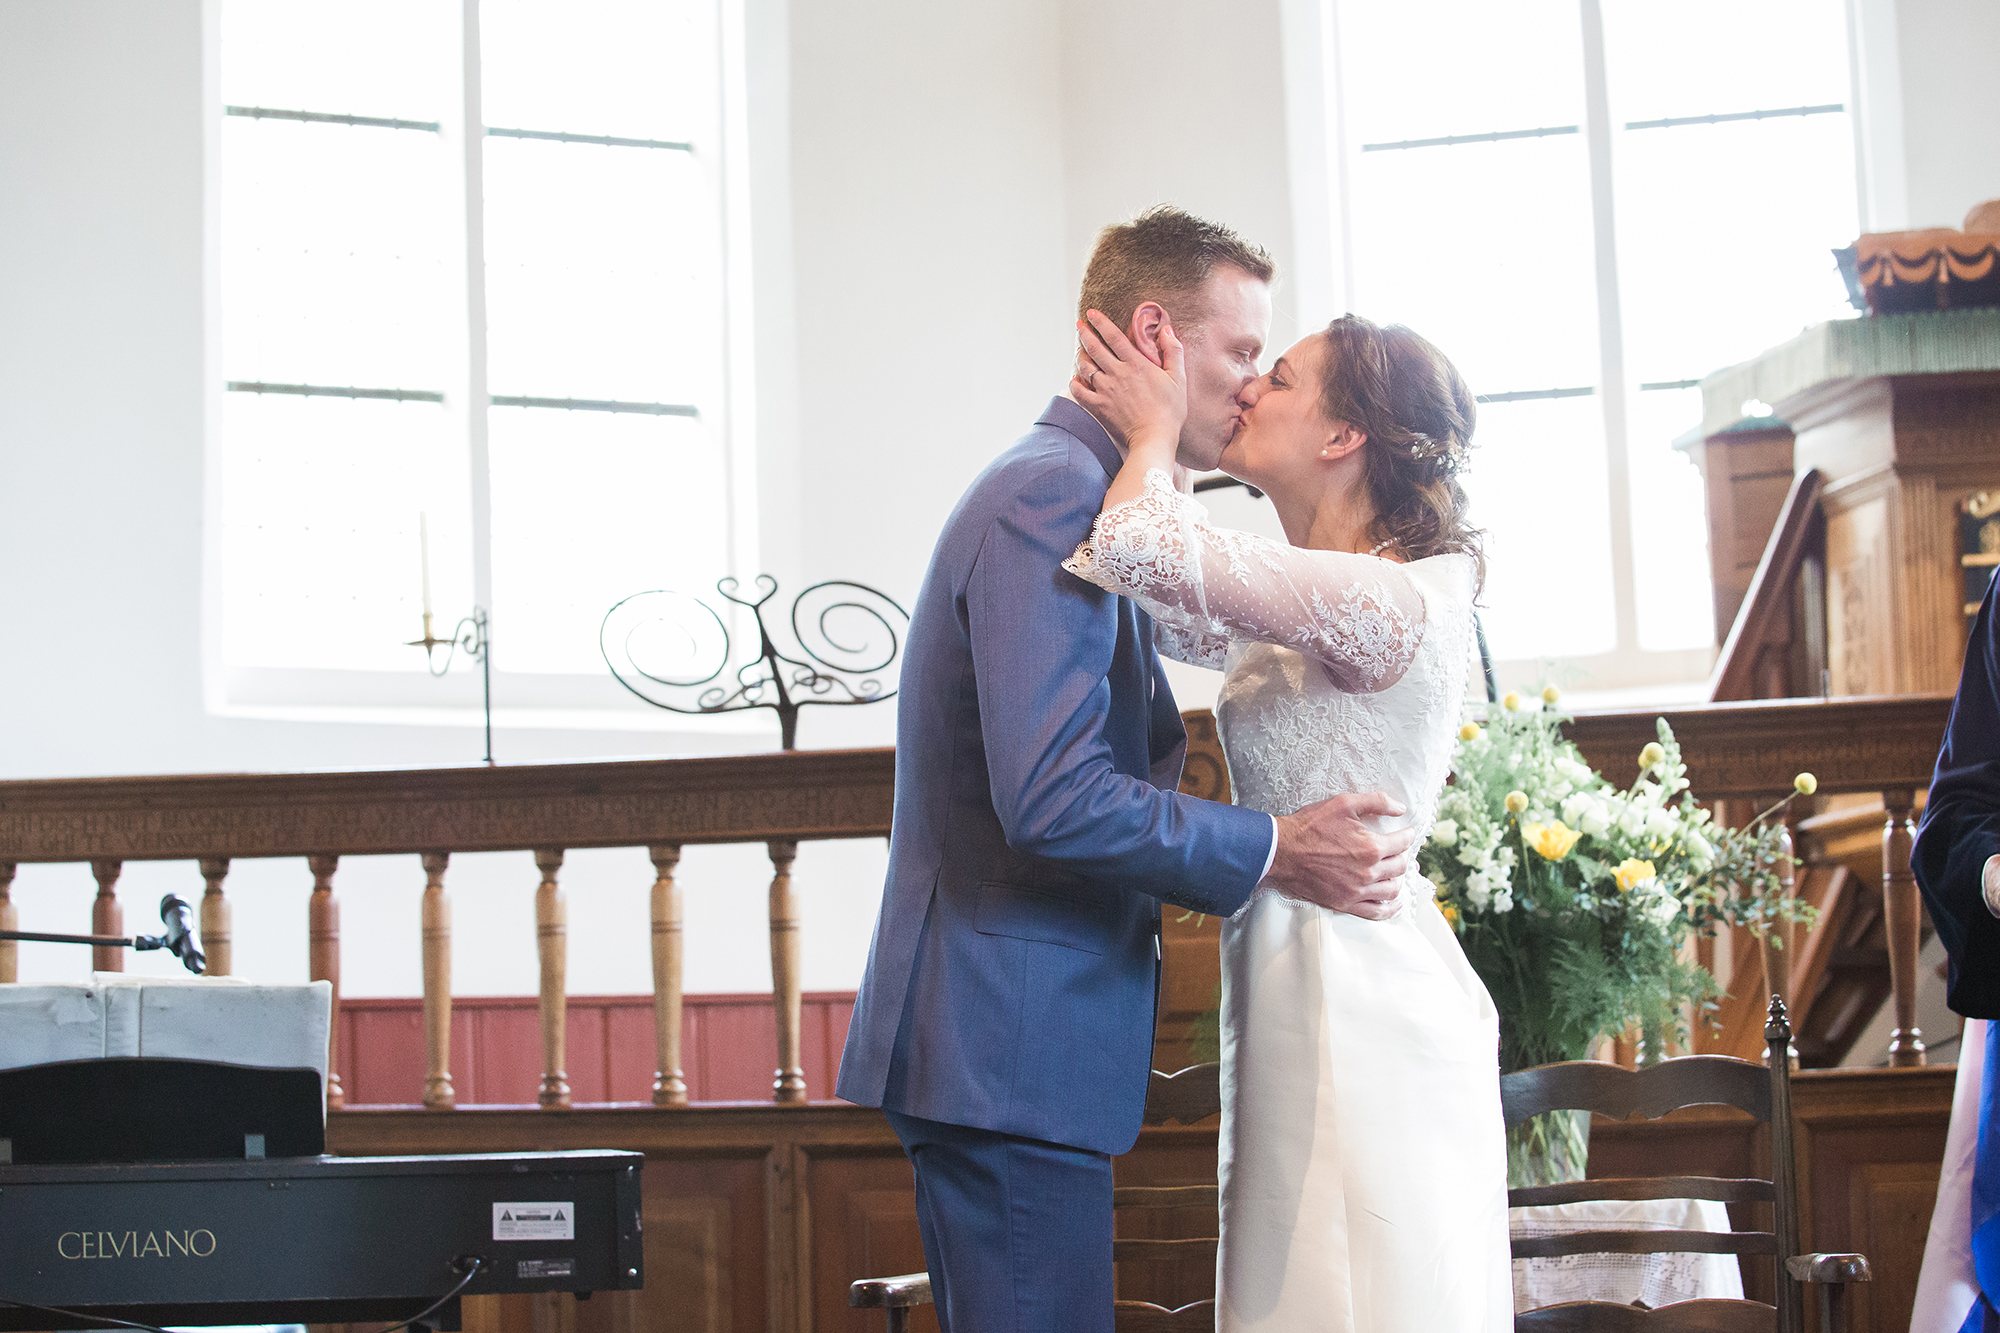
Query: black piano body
[[92, 1220], [311, 1239]]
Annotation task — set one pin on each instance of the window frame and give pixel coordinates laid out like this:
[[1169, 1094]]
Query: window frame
[[578, 701], [1327, 207]]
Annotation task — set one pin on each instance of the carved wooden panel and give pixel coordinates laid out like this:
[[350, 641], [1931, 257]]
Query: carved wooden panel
[[864, 1224], [1889, 1206], [1860, 632]]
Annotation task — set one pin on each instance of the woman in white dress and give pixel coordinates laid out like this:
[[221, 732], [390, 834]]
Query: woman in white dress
[[1363, 1160]]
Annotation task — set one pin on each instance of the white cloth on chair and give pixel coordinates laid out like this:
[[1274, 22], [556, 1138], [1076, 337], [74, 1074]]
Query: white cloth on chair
[[1654, 1279], [188, 1018]]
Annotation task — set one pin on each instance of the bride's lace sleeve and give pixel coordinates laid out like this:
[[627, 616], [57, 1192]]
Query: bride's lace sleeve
[[1361, 616]]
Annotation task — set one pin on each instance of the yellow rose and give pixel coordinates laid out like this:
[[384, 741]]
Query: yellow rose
[[1551, 694], [1805, 784], [1511, 702], [1651, 755], [1631, 872], [1517, 801], [1450, 912], [1553, 841], [1469, 732]]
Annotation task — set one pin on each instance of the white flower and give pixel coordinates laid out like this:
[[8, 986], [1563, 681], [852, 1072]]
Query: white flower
[[1472, 856], [1666, 908], [1503, 901], [1580, 774], [1478, 891], [1660, 823], [1632, 822], [1594, 820], [1698, 850], [1445, 832]]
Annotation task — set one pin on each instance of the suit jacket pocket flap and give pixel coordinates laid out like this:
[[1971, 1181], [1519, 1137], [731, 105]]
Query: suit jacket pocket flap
[[1050, 918]]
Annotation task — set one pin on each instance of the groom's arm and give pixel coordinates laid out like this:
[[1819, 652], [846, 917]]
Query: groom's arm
[[1042, 643]]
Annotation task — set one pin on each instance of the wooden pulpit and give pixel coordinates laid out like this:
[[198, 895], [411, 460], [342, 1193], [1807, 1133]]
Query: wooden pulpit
[[1900, 417]]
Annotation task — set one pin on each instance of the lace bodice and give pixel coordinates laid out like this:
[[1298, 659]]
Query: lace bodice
[[1345, 673], [1360, 617]]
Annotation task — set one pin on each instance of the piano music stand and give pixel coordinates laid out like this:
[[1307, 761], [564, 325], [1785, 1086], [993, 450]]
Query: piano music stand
[[150, 1109]]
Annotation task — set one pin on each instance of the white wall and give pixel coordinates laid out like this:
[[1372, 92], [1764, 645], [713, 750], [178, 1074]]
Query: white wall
[[1929, 109]]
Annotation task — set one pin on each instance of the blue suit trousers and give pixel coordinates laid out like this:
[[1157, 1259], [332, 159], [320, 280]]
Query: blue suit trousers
[[1017, 1232]]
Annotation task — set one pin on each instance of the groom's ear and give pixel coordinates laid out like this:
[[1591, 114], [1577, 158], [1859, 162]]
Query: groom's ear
[[1144, 331]]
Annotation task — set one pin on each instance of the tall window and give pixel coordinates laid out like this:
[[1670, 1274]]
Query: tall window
[[474, 298], [1589, 205]]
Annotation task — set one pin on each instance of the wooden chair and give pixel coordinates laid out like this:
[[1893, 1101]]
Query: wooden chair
[[1694, 1080], [1194, 1094]]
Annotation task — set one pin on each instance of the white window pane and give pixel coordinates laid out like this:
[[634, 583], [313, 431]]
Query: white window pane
[[1486, 250], [589, 508], [333, 255], [320, 505], [1725, 235], [1538, 485], [1421, 69], [1709, 57], [602, 273], [636, 69], [1670, 568], [387, 58]]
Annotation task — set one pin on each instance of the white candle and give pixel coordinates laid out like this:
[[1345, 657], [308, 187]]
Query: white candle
[[424, 549]]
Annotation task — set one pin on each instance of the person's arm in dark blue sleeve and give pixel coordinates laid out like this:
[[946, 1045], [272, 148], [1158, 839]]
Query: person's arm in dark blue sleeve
[[1042, 645]]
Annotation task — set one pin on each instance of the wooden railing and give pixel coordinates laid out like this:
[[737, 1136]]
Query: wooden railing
[[1734, 751], [662, 805]]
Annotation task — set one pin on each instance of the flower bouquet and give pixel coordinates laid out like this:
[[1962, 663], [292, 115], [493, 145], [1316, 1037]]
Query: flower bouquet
[[1574, 898]]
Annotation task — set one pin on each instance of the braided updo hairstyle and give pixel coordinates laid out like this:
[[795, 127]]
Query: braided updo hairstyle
[[1418, 415]]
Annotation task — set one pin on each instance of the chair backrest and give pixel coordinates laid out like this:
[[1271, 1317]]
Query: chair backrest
[[1764, 1092], [1188, 1097]]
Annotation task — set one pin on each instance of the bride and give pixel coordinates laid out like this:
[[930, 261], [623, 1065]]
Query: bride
[[1363, 1164]]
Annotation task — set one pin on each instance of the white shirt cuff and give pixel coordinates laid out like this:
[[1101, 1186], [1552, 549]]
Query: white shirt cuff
[[1271, 855]]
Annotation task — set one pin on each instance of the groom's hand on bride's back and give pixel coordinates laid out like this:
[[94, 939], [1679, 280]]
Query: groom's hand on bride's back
[[1330, 853]]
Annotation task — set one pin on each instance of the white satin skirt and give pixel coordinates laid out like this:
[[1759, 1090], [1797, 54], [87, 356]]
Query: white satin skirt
[[1363, 1158]]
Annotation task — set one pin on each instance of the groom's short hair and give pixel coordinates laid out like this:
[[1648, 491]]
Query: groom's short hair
[[1166, 255]]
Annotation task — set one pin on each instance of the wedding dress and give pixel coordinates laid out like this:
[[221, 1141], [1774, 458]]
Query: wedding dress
[[1363, 1161]]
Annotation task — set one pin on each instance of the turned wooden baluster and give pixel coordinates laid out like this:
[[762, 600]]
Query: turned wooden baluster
[[438, 1094], [107, 917], [215, 916], [789, 1088], [323, 935], [1781, 936], [669, 1085], [10, 919], [1902, 913], [552, 945]]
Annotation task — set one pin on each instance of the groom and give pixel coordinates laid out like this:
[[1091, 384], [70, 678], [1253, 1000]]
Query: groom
[[1005, 1023]]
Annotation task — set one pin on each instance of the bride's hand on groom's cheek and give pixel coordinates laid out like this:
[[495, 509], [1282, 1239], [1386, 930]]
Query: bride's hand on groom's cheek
[[1124, 388]]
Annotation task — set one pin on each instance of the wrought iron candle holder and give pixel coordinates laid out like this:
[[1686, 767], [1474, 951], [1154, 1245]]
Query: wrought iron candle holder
[[673, 650], [472, 639]]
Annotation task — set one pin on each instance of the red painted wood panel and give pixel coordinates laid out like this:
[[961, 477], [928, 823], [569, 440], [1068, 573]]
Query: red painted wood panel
[[729, 1045]]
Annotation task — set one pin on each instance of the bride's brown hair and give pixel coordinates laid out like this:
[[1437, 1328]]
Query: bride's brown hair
[[1419, 416]]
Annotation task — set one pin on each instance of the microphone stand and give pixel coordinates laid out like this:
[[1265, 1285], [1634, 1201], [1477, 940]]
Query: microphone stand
[[193, 959]]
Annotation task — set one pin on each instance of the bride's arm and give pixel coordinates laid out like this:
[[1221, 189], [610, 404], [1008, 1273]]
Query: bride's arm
[[1361, 616]]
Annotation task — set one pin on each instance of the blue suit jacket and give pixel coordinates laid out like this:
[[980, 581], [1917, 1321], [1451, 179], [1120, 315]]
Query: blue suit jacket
[[1014, 971]]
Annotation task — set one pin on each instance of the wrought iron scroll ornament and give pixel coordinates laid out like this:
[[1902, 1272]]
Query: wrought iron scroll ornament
[[674, 651]]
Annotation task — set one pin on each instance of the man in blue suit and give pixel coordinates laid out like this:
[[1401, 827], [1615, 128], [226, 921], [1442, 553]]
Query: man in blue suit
[[1005, 1023]]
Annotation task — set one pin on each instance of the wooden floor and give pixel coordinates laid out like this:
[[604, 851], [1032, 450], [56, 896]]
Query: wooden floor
[[757, 1217]]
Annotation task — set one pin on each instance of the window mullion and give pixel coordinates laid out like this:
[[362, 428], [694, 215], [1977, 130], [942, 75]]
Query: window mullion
[[477, 398], [1610, 326]]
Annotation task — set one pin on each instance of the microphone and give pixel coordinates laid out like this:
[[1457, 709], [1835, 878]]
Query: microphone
[[180, 938]]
